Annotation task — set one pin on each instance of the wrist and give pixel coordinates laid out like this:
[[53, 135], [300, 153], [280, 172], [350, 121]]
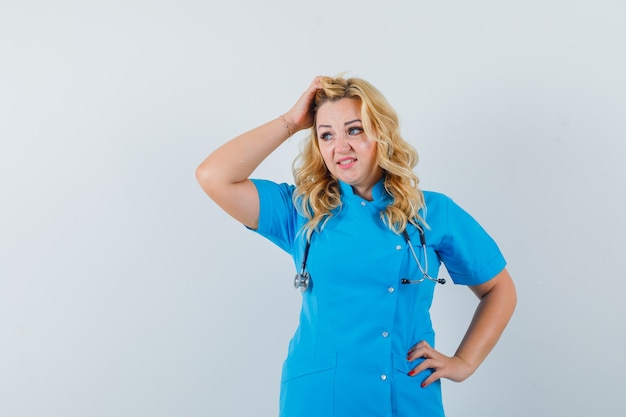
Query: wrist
[[467, 367], [289, 127]]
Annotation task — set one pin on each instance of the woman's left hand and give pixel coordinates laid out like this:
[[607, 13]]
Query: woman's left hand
[[450, 367]]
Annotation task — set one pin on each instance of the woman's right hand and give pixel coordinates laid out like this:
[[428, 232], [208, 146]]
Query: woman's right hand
[[300, 116]]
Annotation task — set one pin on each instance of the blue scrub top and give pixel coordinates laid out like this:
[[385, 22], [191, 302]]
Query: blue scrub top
[[357, 323]]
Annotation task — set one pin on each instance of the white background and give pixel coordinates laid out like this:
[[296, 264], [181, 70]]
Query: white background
[[124, 291]]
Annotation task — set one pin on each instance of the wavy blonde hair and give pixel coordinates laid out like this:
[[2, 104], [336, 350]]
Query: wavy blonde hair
[[318, 193]]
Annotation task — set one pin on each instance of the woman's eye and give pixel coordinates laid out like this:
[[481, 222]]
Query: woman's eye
[[354, 131], [326, 136]]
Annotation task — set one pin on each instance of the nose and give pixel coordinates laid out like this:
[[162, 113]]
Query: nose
[[342, 144]]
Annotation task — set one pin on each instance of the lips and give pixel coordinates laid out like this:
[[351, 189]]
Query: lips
[[346, 161]]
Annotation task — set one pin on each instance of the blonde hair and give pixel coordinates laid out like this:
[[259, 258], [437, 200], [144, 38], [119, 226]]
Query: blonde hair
[[318, 193]]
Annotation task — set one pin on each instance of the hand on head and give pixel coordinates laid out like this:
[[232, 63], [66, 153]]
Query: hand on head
[[300, 116]]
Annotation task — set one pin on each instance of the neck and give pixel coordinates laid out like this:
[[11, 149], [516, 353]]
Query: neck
[[365, 193]]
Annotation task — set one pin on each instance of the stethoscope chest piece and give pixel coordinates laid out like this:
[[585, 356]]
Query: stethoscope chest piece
[[302, 281]]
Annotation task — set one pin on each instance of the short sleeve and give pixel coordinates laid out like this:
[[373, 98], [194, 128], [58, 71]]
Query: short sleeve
[[468, 252], [277, 217]]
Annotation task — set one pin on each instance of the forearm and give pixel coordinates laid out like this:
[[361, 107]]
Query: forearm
[[224, 174], [491, 317], [235, 161]]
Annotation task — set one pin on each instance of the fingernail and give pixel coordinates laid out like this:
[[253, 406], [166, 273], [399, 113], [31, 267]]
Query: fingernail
[[423, 385]]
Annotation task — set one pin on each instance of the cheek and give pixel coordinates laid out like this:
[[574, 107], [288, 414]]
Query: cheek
[[369, 150], [326, 153]]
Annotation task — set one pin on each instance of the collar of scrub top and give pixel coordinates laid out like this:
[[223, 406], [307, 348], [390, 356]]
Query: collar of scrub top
[[380, 196]]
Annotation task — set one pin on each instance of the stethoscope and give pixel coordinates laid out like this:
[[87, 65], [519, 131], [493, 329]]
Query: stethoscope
[[303, 278], [423, 270]]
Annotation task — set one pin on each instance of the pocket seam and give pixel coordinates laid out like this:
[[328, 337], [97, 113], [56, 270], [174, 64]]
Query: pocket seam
[[299, 367]]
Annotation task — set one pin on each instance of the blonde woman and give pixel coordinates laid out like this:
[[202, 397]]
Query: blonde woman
[[367, 244]]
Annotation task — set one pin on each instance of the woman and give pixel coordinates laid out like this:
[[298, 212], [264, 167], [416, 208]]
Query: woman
[[367, 243]]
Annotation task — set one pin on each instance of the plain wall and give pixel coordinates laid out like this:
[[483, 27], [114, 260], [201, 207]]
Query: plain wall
[[124, 291]]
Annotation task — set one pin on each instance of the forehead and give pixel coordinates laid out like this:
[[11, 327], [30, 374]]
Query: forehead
[[339, 111]]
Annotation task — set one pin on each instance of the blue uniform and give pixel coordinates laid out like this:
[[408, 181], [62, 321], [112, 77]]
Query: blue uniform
[[357, 323]]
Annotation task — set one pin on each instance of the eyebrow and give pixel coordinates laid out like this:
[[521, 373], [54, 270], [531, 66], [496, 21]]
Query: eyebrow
[[345, 124]]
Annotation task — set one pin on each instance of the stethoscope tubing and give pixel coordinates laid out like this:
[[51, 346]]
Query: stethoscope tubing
[[302, 279], [424, 269]]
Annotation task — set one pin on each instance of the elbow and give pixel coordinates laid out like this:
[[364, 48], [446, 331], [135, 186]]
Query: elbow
[[201, 174], [206, 179]]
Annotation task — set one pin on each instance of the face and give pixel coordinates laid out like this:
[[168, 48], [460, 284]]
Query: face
[[349, 154]]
